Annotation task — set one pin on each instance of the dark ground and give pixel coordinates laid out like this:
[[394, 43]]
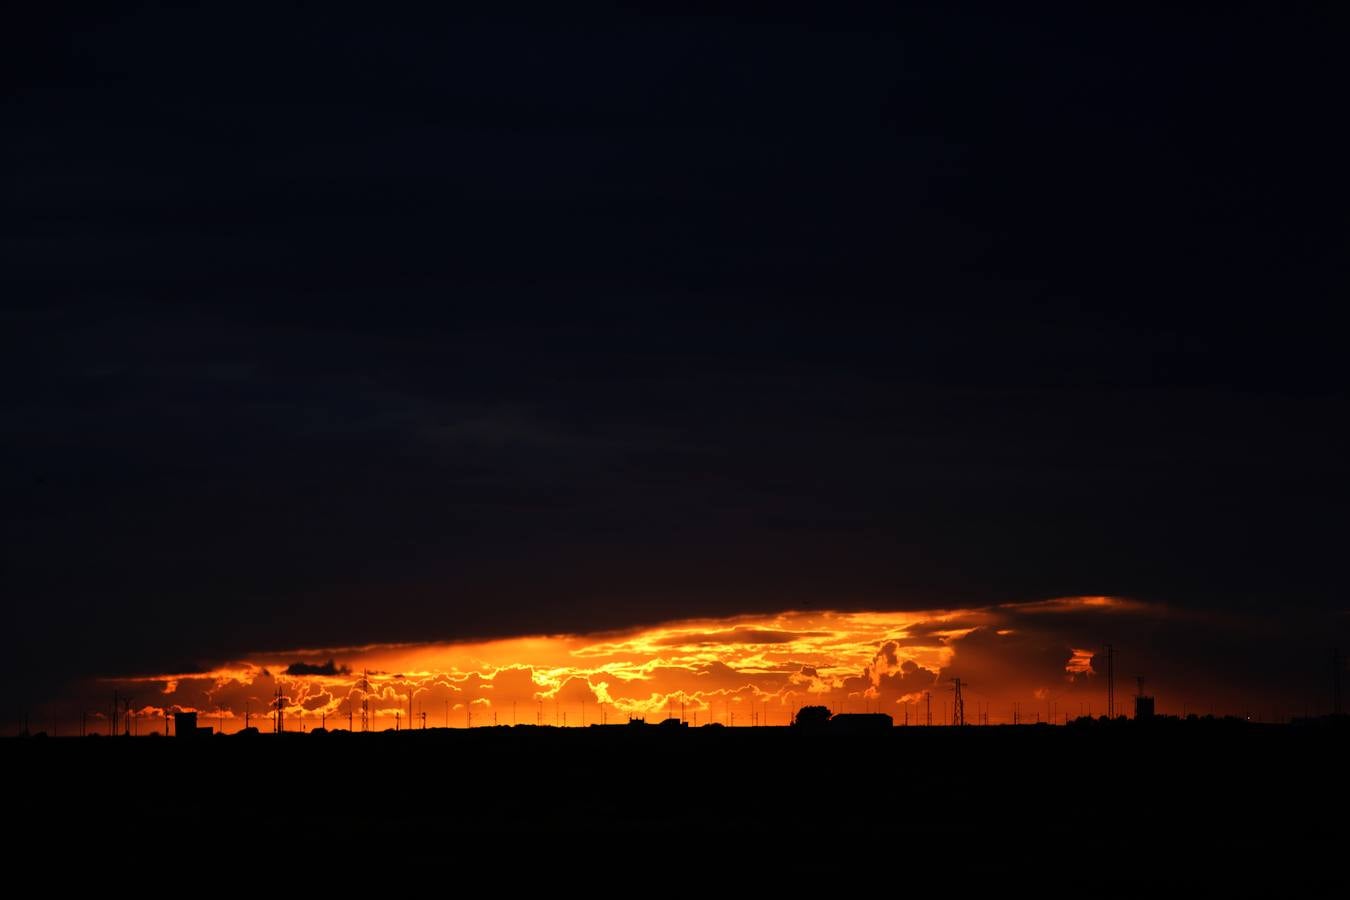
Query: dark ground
[[1198, 801]]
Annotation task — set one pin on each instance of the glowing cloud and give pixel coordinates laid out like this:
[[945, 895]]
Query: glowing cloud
[[743, 670]]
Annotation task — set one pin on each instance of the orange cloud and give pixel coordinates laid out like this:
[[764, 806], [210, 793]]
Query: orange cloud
[[755, 669], [1041, 659]]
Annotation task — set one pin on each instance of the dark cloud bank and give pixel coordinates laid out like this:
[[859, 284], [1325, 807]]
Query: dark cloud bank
[[329, 330]]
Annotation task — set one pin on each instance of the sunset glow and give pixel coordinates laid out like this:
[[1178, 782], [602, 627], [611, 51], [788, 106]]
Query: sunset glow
[[740, 670]]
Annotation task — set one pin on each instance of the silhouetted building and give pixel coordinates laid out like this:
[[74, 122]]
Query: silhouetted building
[[861, 722], [664, 723], [185, 724], [1143, 708]]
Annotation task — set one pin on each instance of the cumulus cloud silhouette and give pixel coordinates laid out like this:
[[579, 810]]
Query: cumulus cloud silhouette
[[330, 668]]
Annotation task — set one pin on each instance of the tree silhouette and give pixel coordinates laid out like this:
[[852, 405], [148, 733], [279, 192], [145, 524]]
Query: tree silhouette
[[812, 717]]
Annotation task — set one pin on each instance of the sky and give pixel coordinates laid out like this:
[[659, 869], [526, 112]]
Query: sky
[[340, 328]]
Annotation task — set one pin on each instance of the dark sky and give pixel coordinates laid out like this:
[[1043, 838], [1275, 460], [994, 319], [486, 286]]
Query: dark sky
[[348, 325]]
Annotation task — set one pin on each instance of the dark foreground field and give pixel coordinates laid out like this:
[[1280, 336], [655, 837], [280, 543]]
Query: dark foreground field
[[1176, 802]]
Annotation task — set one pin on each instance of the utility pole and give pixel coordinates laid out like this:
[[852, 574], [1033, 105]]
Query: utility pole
[[928, 708], [958, 705], [1110, 682], [365, 700]]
